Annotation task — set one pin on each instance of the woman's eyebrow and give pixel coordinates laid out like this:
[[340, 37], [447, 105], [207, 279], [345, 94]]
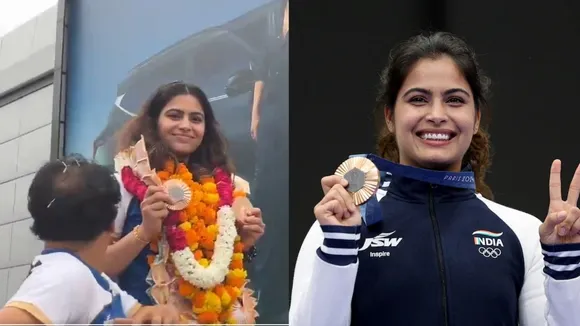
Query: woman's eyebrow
[[456, 90], [428, 92]]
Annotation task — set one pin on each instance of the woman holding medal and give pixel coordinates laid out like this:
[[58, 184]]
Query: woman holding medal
[[184, 224], [432, 248]]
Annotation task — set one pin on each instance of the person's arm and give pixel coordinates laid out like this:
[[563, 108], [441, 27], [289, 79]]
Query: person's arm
[[562, 284], [46, 297], [17, 316], [324, 277], [260, 70], [552, 296], [129, 303], [532, 299], [165, 314], [138, 314], [258, 91], [121, 253]]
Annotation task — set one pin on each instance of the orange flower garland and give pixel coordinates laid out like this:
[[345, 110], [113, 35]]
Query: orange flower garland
[[199, 223]]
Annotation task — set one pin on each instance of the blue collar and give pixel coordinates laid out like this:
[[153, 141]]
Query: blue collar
[[416, 180], [464, 179]]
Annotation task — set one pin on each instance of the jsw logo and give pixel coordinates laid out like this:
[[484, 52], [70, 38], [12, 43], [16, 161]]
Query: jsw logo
[[381, 241]]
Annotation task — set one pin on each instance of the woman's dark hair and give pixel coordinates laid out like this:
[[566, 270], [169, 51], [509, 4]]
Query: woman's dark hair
[[432, 46], [211, 153], [73, 200]]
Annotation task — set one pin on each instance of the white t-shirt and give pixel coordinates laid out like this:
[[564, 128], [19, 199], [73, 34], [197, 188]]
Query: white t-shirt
[[61, 289]]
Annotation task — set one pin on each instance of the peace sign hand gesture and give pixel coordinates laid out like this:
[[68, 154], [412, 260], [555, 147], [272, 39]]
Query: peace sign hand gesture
[[562, 225]]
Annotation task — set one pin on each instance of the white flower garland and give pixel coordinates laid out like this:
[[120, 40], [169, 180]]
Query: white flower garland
[[214, 274]]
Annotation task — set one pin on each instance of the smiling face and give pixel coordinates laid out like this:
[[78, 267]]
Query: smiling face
[[434, 116], [181, 125]]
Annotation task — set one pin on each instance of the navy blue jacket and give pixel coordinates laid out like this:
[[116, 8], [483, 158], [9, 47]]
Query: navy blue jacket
[[433, 255]]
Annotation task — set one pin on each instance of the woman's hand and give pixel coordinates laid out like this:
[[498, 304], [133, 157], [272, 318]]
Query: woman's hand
[[251, 227], [152, 315], [154, 210], [562, 225], [337, 206]]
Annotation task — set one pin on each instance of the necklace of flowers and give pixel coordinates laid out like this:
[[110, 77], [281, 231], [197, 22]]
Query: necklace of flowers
[[204, 245]]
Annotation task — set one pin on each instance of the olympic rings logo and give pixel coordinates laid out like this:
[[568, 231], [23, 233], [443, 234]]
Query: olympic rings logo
[[489, 252]]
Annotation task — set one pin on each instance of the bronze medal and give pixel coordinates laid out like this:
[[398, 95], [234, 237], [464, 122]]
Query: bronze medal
[[179, 193], [363, 178], [177, 190]]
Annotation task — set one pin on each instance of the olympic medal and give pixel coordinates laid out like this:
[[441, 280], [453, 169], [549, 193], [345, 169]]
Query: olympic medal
[[179, 193], [363, 178]]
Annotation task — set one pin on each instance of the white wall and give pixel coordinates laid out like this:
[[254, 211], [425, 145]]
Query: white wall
[[25, 135]]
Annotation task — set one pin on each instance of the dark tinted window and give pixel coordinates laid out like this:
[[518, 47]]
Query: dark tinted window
[[216, 60], [170, 65]]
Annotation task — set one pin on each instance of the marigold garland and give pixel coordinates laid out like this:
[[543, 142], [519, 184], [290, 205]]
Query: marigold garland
[[197, 228]]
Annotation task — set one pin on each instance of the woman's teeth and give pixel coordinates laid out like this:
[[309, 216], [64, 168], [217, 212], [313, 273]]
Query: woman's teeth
[[432, 136]]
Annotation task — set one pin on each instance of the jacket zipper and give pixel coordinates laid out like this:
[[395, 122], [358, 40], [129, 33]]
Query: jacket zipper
[[439, 249]]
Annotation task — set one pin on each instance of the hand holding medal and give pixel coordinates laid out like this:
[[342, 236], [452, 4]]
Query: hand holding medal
[[354, 182], [161, 197], [137, 157]]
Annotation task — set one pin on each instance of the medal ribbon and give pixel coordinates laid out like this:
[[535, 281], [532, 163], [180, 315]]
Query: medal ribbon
[[465, 179]]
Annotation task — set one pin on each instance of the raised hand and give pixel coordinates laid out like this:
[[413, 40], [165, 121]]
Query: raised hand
[[337, 206], [154, 210], [562, 225]]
